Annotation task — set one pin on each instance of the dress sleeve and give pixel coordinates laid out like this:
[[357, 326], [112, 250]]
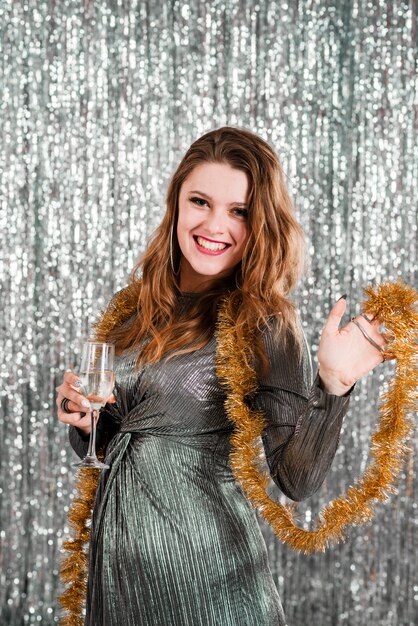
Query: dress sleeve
[[106, 429], [303, 422]]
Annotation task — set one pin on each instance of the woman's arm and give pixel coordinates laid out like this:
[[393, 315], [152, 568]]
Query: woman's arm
[[303, 421]]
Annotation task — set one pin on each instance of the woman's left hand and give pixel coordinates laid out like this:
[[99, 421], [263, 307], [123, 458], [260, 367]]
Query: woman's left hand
[[344, 354]]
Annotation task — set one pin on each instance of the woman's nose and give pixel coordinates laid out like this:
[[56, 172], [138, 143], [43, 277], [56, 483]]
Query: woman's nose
[[215, 221]]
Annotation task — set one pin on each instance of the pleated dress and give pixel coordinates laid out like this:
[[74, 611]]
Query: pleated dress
[[174, 541]]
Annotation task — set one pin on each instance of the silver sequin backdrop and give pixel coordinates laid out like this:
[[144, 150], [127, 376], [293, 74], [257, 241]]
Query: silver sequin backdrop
[[99, 101]]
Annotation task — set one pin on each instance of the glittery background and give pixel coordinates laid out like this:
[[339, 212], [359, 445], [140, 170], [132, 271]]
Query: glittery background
[[99, 101]]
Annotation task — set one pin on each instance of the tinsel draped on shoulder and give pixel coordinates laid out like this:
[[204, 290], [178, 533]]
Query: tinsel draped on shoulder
[[121, 307]]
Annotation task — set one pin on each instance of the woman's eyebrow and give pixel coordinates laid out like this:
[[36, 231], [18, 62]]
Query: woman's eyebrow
[[209, 198]]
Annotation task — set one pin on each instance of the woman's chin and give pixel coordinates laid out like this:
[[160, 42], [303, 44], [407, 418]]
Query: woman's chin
[[199, 281]]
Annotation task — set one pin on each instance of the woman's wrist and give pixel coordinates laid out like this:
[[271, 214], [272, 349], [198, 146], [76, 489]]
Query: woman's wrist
[[332, 385]]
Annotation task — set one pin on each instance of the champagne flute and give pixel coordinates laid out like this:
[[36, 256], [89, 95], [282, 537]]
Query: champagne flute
[[97, 381]]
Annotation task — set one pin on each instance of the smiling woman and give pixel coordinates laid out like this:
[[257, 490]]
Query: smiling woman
[[174, 538], [212, 232]]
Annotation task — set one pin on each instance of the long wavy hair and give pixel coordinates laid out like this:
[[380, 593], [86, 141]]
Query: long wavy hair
[[258, 287]]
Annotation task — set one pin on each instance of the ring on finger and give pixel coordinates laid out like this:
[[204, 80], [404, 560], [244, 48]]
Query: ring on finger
[[366, 318], [64, 405], [372, 341]]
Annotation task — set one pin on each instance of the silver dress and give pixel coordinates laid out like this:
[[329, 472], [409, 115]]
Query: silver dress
[[174, 541]]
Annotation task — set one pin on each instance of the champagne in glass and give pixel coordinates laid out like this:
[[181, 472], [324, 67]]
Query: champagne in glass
[[97, 381]]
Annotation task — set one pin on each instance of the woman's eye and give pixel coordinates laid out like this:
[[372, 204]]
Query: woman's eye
[[197, 200], [241, 212]]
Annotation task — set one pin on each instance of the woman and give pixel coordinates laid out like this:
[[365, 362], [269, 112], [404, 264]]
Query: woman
[[174, 540]]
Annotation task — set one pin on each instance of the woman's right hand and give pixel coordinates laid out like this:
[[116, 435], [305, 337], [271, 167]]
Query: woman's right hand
[[69, 389]]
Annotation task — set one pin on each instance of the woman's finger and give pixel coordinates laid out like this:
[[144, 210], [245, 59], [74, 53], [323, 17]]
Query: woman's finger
[[75, 419], [76, 403], [370, 319], [74, 382], [333, 321], [72, 379], [384, 337], [370, 329], [74, 407]]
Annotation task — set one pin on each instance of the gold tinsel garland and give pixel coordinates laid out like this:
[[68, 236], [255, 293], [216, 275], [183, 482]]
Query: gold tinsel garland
[[395, 305], [74, 566]]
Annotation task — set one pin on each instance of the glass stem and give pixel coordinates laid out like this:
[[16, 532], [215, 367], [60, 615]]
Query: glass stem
[[92, 441]]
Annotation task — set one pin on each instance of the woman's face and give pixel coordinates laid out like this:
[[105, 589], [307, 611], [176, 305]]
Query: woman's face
[[212, 227]]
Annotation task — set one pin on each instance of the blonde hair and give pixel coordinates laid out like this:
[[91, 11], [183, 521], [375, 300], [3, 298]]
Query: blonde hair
[[273, 260]]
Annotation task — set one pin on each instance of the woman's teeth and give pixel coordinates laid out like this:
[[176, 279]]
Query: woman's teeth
[[210, 245]]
